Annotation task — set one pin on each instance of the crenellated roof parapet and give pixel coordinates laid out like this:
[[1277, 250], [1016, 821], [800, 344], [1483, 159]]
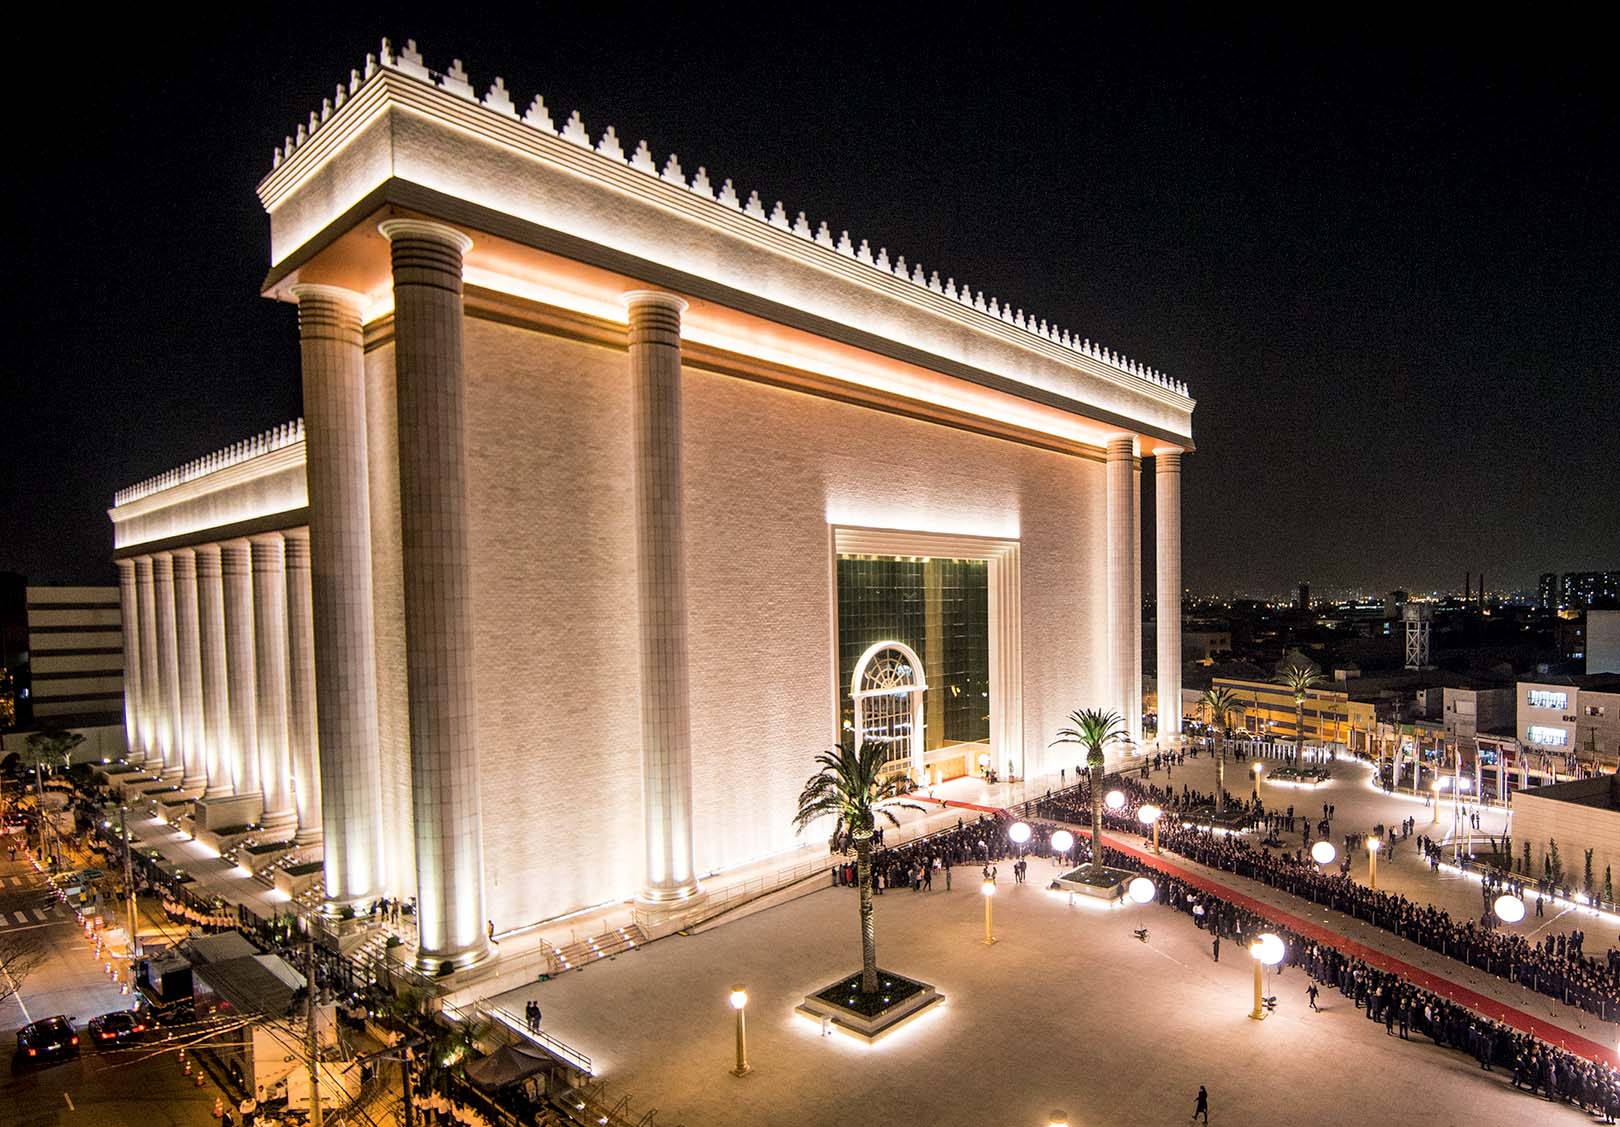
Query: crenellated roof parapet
[[277, 437], [409, 62]]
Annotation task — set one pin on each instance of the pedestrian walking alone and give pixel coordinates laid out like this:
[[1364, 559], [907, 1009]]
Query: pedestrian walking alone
[[1202, 1106], [1311, 994], [1215, 948]]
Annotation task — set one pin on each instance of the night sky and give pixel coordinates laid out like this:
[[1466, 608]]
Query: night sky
[[1390, 274]]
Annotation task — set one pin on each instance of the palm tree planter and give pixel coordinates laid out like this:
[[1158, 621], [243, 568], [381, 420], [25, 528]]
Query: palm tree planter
[[851, 788], [1093, 731], [1221, 703], [1300, 679]]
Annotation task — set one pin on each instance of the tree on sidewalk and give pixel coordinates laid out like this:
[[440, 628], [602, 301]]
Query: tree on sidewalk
[[19, 954]]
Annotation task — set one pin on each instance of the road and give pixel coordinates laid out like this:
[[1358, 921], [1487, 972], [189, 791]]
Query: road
[[141, 1085]]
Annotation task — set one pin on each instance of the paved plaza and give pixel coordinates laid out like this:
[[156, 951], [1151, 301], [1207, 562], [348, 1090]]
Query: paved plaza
[[1068, 1010]]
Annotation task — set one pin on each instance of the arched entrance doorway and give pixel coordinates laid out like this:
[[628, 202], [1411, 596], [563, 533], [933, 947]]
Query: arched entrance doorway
[[887, 689]]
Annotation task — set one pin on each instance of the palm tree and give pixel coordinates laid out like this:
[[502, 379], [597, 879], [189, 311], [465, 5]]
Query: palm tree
[[1221, 703], [850, 786], [1093, 730], [1300, 679]]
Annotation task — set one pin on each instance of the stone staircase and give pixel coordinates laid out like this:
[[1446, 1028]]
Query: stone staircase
[[583, 952]]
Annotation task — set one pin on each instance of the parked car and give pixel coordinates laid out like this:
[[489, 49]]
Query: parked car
[[50, 1038], [115, 1028]]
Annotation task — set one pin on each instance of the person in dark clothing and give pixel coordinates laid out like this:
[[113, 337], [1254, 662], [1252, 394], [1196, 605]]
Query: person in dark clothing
[[1202, 1106], [1311, 994], [1215, 948]]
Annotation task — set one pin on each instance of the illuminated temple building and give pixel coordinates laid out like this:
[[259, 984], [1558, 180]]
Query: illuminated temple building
[[617, 496]]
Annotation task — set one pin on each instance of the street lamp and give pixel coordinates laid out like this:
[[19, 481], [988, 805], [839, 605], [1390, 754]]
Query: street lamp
[[1435, 786], [1058, 1118], [1115, 800], [1323, 852], [988, 891], [1372, 862], [1018, 832], [1141, 890], [739, 1002], [1063, 841], [1258, 768], [1268, 951], [1148, 815]]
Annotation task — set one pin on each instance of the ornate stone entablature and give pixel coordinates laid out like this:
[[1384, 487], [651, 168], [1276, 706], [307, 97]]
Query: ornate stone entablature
[[258, 481], [398, 127]]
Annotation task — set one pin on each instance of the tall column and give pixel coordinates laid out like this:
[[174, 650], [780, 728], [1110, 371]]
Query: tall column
[[303, 751], [1167, 553], [151, 700], [1133, 718], [188, 640], [216, 699], [333, 365], [168, 663], [431, 392], [242, 739], [129, 619], [666, 728], [1121, 540], [270, 679]]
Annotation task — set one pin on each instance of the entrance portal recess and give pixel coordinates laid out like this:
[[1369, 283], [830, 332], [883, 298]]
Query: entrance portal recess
[[887, 689], [1005, 631]]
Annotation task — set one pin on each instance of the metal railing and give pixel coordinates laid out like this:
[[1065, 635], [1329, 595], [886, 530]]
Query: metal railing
[[565, 1052]]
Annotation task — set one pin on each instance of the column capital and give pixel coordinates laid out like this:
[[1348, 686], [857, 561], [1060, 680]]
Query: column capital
[[179, 554], [653, 299], [266, 548], [207, 559], [1167, 459], [1121, 446], [393, 229], [126, 570], [296, 543], [315, 291]]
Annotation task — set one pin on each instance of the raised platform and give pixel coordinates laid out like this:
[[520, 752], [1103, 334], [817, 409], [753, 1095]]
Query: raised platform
[[870, 1017], [1095, 880]]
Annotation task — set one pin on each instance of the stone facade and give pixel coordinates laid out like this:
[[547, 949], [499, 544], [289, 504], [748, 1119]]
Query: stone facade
[[572, 503]]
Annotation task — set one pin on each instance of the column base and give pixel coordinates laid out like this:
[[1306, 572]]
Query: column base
[[433, 964], [272, 821], [304, 838], [670, 899]]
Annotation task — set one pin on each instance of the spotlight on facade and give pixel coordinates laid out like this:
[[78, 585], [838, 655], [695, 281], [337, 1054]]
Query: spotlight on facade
[[1141, 890], [1019, 832], [1508, 909], [1323, 853], [1062, 841], [1115, 800]]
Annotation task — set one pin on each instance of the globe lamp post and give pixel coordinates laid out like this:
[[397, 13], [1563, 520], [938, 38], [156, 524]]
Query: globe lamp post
[[1258, 768], [988, 891], [1149, 815], [1268, 951], [1508, 909], [1323, 852], [739, 1002]]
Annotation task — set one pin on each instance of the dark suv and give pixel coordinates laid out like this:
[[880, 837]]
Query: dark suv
[[51, 1038]]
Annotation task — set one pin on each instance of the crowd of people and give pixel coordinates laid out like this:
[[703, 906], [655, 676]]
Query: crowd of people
[[1562, 972], [1386, 998]]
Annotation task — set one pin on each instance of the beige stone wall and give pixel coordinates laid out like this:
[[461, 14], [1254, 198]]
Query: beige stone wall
[[766, 469], [1576, 828]]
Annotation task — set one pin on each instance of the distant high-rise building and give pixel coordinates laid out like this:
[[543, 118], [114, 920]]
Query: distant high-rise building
[[1582, 589], [1547, 591], [1304, 601]]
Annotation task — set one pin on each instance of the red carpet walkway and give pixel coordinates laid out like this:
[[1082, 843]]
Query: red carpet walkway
[[1480, 1003]]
